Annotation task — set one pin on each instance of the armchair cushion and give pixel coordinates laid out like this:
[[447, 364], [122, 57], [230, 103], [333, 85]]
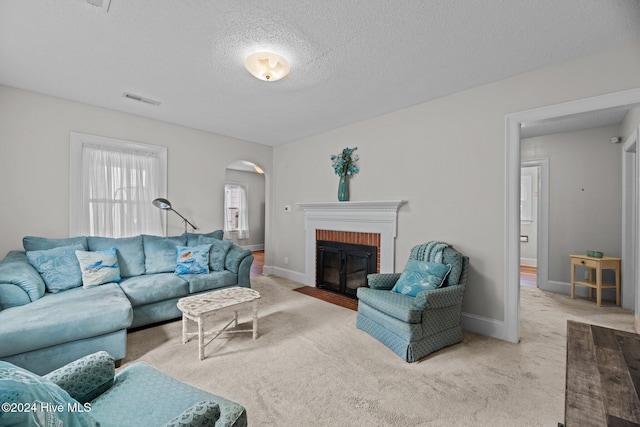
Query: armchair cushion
[[86, 378], [202, 414], [396, 305], [421, 276]]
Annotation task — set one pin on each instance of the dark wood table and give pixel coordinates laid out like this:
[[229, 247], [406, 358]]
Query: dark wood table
[[603, 377]]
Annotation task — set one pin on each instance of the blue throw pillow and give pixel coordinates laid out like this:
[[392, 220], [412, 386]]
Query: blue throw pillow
[[98, 267], [218, 252], [420, 276], [47, 403], [193, 259], [58, 267]]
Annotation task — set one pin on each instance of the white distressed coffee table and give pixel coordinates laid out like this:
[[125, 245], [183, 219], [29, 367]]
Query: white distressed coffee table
[[198, 308]]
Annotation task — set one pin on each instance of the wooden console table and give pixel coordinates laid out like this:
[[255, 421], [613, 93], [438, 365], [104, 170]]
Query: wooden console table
[[602, 377], [597, 265]]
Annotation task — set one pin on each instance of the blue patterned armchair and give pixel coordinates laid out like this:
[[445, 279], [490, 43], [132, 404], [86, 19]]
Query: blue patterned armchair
[[414, 326]]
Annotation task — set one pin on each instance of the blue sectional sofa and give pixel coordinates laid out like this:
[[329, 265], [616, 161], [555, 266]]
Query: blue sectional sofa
[[43, 328]]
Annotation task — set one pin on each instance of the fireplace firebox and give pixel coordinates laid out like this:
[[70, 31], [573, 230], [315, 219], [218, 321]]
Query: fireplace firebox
[[343, 267]]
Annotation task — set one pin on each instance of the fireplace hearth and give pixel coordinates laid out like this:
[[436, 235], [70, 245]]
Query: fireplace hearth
[[343, 267]]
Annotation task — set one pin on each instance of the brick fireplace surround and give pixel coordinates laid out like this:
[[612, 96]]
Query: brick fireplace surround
[[365, 223]]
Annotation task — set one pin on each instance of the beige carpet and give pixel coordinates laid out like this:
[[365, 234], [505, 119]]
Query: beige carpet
[[310, 366]]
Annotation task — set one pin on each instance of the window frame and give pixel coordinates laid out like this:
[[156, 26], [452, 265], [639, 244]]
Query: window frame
[[77, 212]]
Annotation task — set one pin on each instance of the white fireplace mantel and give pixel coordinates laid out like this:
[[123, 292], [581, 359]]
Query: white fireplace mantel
[[365, 217]]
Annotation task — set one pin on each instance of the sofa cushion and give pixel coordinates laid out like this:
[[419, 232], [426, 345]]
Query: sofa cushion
[[86, 378], [26, 389], [160, 253], [145, 396], [419, 276], [130, 252], [58, 267], [16, 270], [218, 252], [32, 243], [193, 259], [192, 238], [213, 280], [64, 317], [98, 267], [234, 257], [147, 289]]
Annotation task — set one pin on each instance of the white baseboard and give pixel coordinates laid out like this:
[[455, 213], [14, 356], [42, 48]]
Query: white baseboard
[[252, 248], [529, 262], [284, 273], [484, 326]]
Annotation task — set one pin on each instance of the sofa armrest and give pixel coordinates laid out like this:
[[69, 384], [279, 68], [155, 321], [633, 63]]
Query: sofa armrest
[[244, 271], [202, 414], [86, 378], [384, 281], [439, 298]]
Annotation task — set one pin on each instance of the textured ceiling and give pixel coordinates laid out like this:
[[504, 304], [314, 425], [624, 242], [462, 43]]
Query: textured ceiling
[[350, 60]]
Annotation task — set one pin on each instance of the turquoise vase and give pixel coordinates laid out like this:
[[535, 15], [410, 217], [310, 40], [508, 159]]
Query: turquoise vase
[[343, 189]]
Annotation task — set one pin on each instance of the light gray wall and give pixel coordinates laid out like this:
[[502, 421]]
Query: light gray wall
[[34, 163], [256, 200], [585, 194], [447, 158], [528, 250]]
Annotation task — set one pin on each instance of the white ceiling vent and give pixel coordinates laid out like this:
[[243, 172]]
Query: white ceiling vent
[[102, 4], [141, 99]]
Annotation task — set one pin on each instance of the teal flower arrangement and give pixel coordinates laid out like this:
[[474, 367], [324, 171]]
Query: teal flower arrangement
[[344, 163]]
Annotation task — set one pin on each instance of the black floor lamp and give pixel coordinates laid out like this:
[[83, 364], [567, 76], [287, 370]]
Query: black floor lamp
[[165, 205]]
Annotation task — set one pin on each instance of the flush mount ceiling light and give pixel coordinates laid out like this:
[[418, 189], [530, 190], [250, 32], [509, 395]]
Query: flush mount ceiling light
[[267, 66]]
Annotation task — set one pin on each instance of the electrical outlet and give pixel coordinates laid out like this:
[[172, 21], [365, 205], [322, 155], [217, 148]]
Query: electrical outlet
[[286, 260]]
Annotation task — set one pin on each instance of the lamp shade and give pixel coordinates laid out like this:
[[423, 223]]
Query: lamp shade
[[267, 66], [162, 203]]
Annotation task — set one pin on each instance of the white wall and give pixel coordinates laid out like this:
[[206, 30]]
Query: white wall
[[447, 158], [34, 163], [585, 194], [255, 183]]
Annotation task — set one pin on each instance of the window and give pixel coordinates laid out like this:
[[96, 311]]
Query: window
[[236, 211], [113, 183]]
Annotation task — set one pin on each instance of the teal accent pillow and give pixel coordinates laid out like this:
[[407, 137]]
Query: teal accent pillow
[[32, 243], [234, 257], [86, 378], [192, 238], [98, 267], [421, 276], [48, 404], [218, 252], [193, 259], [160, 253], [58, 267], [130, 252]]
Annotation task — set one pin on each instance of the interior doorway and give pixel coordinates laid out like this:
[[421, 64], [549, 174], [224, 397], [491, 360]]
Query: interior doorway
[[513, 124], [244, 209]]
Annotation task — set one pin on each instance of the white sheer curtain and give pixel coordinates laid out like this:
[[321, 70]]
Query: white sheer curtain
[[236, 211], [118, 188]]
